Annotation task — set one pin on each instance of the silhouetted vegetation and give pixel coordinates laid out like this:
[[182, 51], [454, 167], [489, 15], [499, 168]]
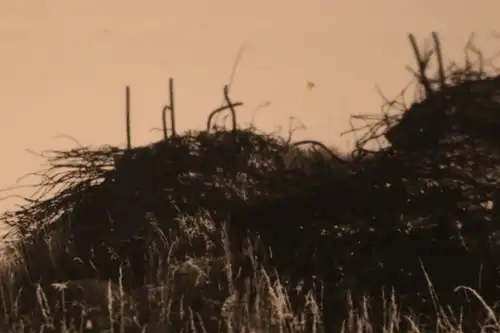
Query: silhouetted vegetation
[[380, 240]]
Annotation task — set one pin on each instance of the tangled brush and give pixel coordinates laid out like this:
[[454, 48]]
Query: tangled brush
[[98, 209], [361, 223]]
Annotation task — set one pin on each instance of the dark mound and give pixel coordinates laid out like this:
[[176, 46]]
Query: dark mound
[[419, 216]]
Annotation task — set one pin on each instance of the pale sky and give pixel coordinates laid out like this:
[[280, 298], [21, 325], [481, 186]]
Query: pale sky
[[65, 64]]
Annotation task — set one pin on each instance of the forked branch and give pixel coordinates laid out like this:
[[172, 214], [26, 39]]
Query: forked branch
[[422, 62], [230, 105]]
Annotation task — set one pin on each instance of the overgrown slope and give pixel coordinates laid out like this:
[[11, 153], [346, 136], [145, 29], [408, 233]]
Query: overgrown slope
[[422, 210]]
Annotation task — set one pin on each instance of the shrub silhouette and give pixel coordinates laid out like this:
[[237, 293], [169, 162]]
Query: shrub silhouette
[[425, 206]]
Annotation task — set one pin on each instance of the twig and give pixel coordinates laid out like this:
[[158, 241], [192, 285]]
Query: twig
[[237, 61], [64, 136], [230, 105], [291, 129], [319, 144], [239, 56]]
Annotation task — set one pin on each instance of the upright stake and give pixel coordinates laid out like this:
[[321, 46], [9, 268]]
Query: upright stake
[[172, 106], [166, 108], [439, 56], [127, 116]]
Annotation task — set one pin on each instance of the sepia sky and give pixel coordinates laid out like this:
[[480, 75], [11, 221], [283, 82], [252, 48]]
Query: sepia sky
[[64, 64]]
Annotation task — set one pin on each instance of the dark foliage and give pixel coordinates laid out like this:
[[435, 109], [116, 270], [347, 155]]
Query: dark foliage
[[426, 204]]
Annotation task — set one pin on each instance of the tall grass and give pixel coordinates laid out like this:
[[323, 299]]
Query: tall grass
[[202, 293], [151, 219]]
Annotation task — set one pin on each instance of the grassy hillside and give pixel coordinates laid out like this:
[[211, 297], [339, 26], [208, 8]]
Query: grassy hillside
[[234, 230]]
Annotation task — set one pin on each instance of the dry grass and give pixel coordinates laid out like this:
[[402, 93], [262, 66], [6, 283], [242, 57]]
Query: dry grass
[[195, 280], [199, 295], [180, 295]]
